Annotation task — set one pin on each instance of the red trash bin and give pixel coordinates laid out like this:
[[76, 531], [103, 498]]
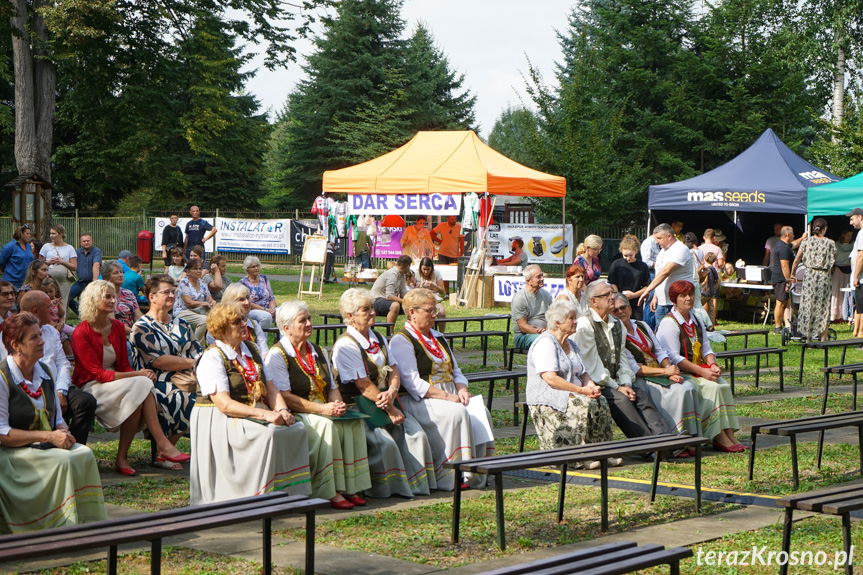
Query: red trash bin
[[145, 246]]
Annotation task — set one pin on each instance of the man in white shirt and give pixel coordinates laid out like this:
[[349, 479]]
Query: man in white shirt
[[649, 251], [601, 340], [78, 406], [672, 264], [856, 218]]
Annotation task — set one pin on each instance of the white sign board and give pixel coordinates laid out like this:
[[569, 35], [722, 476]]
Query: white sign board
[[266, 236], [505, 287], [162, 223], [404, 204], [544, 244]]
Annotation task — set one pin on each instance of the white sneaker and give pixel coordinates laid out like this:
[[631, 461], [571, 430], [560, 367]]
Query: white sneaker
[[615, 461], [592, 464]]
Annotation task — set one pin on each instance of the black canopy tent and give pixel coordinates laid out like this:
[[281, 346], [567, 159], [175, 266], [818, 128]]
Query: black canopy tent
[[764, 184]]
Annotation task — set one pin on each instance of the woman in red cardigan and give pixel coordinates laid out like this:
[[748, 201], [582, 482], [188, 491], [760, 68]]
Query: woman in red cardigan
[[124, 397]]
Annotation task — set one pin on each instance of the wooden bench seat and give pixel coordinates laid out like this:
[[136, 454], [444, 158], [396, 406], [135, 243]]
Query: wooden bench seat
[[566, 456], [757, 352], [336, 329], [745, 333], [154, 527], [826, 346], [494, 376], [792, 427], [839, 501], [482, 335], [851, 369], [617, 557]]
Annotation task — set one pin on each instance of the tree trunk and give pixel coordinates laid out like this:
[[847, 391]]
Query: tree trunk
[[35, 97], [839, 88]]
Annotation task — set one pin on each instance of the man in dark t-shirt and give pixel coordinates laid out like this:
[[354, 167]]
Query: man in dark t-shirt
[[198, 231], [780, 270]]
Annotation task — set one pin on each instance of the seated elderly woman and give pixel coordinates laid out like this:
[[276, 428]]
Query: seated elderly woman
[[676, 398], [685, 339], [41, 487], [240, 446], [239, 294], [438, 391], [168, 347], [124, 397], [367, 375], [261, 292], [566, 405], [302, 373], [127, 310], [574, 290], [193, 301]]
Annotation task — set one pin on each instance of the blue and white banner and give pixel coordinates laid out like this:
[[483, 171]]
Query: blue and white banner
[[404, 204], [264, 236], [505, 287]]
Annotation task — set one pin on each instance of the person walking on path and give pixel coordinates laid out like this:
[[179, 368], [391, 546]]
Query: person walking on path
[[198, 231], [817, 253]]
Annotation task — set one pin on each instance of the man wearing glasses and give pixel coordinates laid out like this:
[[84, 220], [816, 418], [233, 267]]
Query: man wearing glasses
[[601, 340], [529, 307]]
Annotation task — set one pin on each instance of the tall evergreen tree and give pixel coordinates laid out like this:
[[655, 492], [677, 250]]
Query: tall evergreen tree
[[434, 92], [347, 74]]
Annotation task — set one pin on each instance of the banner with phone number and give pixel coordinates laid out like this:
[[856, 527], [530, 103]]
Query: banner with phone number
[[544, 244]]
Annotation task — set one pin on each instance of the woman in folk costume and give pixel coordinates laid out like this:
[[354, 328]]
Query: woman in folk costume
[[40, 488], [400, 458], [337, 443], [438, 391], [685, 339], [676, 398]]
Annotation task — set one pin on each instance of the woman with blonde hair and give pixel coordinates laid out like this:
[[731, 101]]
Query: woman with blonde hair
[[124, 397], [629, 275], [399, 452], [588, 258], [241, 446]]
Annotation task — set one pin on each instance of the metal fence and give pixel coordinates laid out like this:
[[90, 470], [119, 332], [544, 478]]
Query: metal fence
[[112, 234]]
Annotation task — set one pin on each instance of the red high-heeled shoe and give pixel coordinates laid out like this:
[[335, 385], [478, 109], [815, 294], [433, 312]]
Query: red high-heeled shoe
[[182, 458], [127, 471], [342, 505], [719, 447], [357, 500]]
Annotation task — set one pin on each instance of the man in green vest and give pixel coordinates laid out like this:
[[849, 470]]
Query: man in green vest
[[601, 340]]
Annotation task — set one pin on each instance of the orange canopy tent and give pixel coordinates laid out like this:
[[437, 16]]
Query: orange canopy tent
[[444, 163]]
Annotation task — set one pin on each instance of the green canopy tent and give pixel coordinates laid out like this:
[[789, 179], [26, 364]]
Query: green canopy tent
[[835, 199]]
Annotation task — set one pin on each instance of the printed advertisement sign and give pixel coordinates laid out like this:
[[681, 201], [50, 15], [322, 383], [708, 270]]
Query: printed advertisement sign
[[544, 244], [162, 223], [505, 287], [302, 228], [388, 243], [260, 236], [404, 204]]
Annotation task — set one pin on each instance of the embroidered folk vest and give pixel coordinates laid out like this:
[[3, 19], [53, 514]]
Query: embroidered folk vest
[[239, 392], [424, 362], [687, 348], [303, 384], [349, 389], [609, 360], [637, 353], [22, 413]]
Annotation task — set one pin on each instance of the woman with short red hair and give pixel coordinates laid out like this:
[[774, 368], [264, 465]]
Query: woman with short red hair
[[574, 289], [685, 338]]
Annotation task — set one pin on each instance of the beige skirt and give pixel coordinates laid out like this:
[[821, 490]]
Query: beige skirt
[[117, 400]]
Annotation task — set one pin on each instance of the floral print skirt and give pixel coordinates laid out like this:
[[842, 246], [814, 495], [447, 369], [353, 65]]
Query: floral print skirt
[[584, 421]]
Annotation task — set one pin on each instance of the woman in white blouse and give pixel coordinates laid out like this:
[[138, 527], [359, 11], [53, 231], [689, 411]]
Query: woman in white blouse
[[438, 391], [239, 294], [62, 259], [337, 443], [399, 452], [685, 339], [240, 446]]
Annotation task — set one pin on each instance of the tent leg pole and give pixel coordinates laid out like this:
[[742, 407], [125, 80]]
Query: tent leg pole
[[563, 233], [647, 231]]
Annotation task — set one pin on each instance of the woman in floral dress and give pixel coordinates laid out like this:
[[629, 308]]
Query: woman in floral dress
[[817, 253]]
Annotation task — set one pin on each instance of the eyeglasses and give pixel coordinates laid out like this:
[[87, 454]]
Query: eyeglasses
[[605, 295], [428, 310], [7, 294], [620, 309], [167, 292]]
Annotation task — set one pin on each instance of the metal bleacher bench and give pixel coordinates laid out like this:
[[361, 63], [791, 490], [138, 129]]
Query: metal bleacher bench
[[839, 501], [153, 527], [617, 557], [793, 427], [731, 355], [851, 369], [493, 377], [498, 465], [826, 346]]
